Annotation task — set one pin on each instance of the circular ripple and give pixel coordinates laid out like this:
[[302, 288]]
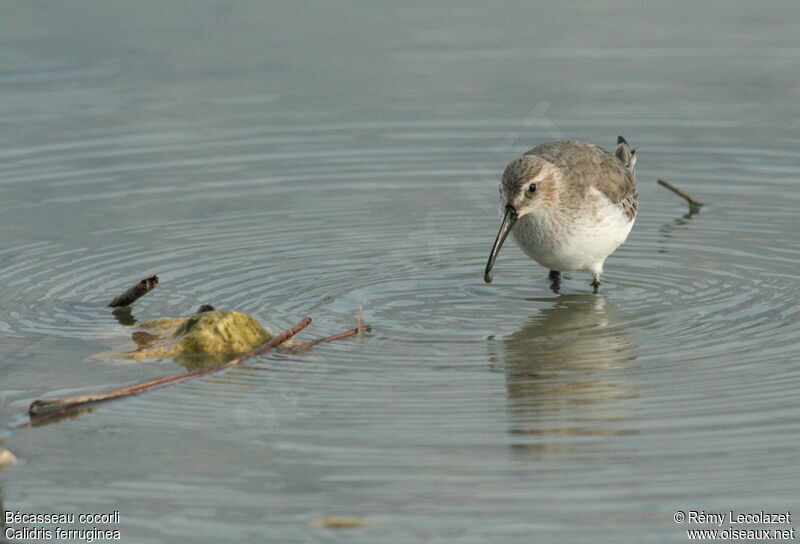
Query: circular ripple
[[294, 221]]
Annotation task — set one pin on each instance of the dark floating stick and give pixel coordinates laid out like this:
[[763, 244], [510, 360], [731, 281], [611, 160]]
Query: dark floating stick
[[41, 411], [136, 292], [689, 199]]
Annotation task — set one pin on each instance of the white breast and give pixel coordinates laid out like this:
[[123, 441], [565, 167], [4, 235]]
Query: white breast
[[578, 239]]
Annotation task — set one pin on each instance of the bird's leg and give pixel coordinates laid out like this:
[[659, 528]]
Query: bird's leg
[[555, 279], [596, 282]]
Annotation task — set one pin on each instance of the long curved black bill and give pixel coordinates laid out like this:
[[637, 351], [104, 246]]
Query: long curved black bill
[[508, 221]]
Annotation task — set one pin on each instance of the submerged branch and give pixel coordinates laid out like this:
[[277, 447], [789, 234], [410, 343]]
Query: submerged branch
[[305, 345], [44, 410], [360, 329], [689, 199]]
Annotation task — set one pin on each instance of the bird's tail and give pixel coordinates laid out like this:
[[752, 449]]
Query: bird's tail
[[625, 154]]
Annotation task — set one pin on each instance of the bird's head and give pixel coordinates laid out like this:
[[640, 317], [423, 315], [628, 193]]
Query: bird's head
[[529, 186]]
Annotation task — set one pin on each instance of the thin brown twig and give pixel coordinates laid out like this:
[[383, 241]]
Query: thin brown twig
[[68, 405], [360, 321], [680, 193], [305, 345]]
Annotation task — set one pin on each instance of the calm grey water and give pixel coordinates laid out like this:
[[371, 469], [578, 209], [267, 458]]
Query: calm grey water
[[307, 159]]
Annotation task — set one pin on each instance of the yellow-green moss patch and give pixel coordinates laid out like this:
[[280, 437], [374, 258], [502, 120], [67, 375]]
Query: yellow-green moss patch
[[204, 337]]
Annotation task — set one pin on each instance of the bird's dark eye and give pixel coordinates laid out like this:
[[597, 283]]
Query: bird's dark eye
[[531, 188]]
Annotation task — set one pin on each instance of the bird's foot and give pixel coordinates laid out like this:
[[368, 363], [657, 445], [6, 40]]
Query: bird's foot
[[555, 280], [596, 281]]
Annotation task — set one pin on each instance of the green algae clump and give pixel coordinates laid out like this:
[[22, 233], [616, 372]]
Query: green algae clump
[[202, 339], [220, 332]]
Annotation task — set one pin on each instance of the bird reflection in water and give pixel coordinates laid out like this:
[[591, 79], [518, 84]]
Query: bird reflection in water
[[567, 375]]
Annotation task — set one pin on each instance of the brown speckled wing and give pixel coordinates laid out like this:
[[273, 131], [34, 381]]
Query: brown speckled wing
[[630, 204]]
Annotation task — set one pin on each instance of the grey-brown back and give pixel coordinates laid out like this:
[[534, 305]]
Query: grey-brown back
[[586, 165]]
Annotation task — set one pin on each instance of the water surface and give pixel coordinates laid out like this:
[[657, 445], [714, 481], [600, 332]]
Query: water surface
[[308, 160]]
